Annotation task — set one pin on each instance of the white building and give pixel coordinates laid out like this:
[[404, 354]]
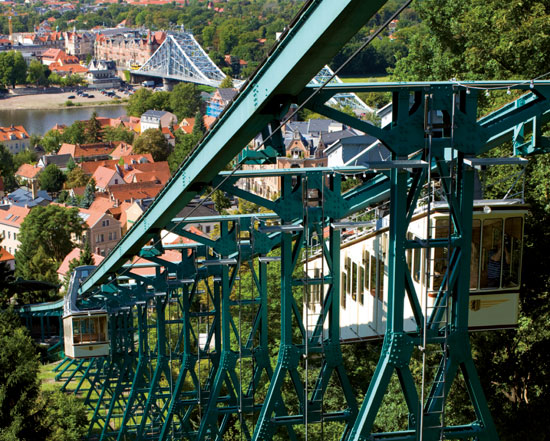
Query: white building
[[15, 138], [11, 218]]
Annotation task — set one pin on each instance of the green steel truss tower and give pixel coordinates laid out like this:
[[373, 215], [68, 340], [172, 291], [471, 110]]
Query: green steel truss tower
[[192, 355]]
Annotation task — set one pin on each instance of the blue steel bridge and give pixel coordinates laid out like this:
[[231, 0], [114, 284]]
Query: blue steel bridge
[[189, 353]]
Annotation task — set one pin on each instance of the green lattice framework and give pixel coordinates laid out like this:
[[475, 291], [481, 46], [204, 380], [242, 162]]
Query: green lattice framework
[[175, 369]]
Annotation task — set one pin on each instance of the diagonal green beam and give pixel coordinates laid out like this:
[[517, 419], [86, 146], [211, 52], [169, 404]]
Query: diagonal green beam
[[312, 40]]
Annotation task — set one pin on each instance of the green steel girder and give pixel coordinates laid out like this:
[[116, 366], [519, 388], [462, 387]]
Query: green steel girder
[[312, 40]]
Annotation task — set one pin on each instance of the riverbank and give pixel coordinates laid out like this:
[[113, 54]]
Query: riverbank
[[55, 101]]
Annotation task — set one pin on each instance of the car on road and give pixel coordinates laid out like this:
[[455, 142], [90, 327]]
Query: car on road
[[71, 97], [91, 95]]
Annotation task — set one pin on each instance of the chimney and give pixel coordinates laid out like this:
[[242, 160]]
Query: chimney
[[34, 188]]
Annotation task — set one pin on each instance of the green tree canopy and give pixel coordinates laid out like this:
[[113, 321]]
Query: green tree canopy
[[26, 413], [7, 168], [227, 83], [185, 100], [38, 73], [50, 229], [119, 133], [76, 178], [52, 179], [184, 144], [138, 102], [13, 69], [24, 157], [51, 141], [89, 194], [19, 386], [75, 133], [152, 141], [92, 130]]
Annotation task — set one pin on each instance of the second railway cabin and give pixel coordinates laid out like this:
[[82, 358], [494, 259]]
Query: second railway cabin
[[495, 271]]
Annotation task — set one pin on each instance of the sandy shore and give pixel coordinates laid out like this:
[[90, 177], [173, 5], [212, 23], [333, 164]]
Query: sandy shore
[[55, 100]]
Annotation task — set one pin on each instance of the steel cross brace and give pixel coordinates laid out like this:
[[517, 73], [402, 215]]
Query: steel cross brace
[[398, 345], [290, 354]]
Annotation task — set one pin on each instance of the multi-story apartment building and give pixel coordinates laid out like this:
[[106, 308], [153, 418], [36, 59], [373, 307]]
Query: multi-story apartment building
[[103, 230], [11, 217], [79, 44], [129, 48], [15, 138]]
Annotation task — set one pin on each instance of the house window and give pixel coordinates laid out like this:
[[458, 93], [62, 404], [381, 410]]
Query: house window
[[110, 236], [116, 181], [9, 234], [105, 223]]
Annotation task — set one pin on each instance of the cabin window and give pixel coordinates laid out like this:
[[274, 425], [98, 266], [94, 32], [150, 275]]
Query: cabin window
[[474, 260], [492, 257], [417, 264], [381, 279], [372, 275], [440, 253], [366, 262], [354, 282], [89, 329], [513, 245], [408, 253], [343, 291], [348, 278], [362, 281]]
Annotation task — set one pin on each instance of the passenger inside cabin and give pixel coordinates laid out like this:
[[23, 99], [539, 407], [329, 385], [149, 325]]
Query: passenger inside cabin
[[494, 265]]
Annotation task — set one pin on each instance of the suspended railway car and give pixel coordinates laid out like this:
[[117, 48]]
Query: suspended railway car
[[497, 243], [85, 331]]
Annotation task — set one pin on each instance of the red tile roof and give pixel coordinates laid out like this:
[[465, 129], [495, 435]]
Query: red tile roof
[[132, 192], [131, 160], [5, 255], [75, 254], [87, 150], [28, 171], [14, 215], [7, 133]]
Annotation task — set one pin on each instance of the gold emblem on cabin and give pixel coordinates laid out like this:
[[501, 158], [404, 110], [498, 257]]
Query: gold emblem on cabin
[[476, 305]]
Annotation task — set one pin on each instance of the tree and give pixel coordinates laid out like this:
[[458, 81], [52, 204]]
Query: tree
[[185, 100], [71, 165], [38, 73], [51, 141], [52, 179], [48, 228], [24, 157], [199, 128], [6, 277], [13, 69], [152, 141], [75, 133], [92, 130], [159, 101], [227, 83], [76, 178], [184, 144], [89, 194], [119, 133], [7, 168], [138, 102], [65, 416], [26, 413], [19, 386]]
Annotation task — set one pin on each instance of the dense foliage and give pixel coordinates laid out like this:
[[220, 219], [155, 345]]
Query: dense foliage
[[26, 413], [46, 238]]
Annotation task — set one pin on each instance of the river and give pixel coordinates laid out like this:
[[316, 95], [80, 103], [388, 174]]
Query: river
[[39, 121]]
